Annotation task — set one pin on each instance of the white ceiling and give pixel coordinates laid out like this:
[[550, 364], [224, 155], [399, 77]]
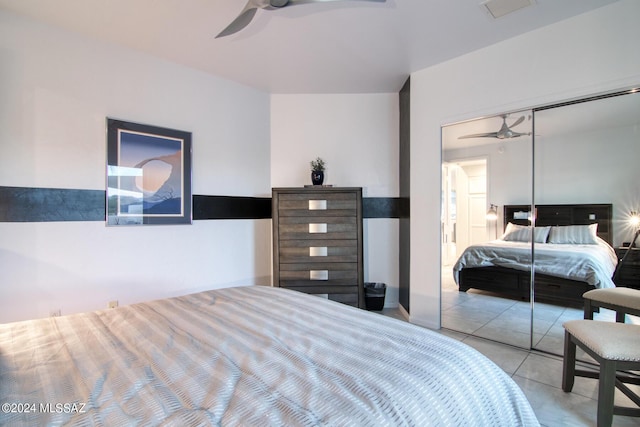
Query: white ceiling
[[333, 47]]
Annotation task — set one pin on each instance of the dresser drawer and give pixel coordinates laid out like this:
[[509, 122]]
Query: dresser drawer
[[317, 201], [318, 271], [347, 294], [349, 299], [312, 206], [306, 220], [326, 287], [316, 251], [346, 228]]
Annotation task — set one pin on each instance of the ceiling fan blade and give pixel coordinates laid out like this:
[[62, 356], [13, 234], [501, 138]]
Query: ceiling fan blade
[[517, 134], [252, 6], [517, 122], [505, 131], [294, 2], [241, 21], [480, 135]]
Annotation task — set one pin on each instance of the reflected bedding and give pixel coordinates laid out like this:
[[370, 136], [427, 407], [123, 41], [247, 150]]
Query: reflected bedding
[[590, 263]]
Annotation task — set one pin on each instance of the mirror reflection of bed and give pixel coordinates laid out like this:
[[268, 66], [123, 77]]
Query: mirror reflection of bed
[[585, 173], [572, 254]]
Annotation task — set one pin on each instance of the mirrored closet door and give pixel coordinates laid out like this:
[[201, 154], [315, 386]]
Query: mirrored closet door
[[586, 186], [568, 216], [486, 171]]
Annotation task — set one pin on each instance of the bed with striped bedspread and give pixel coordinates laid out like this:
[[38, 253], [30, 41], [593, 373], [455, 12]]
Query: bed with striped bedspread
[[250, 356]]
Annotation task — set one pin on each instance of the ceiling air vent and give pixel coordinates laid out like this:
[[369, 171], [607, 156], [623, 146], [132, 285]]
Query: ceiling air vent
[[498, 8]]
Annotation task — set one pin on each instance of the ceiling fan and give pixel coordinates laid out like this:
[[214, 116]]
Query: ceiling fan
[[505, 131], [250, 9]]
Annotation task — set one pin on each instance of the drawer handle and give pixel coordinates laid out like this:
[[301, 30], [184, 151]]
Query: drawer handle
[[317, 205], [317, 228], [318, 251], [318, 274]]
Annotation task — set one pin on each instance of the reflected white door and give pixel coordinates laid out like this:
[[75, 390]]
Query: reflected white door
[[477, 203], [448, 214], [472, 203], [463, 235], [464, 192]]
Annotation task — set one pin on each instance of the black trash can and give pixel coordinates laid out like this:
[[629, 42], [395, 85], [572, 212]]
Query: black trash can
[[374, 295]]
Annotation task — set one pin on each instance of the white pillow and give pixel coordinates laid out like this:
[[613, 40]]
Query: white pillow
[[574, 234], [522, 233]]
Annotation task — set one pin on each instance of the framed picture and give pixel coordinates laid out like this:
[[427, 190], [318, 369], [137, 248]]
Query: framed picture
[[148, 174]]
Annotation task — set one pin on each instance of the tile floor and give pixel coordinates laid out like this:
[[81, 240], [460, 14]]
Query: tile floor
[[539, 375]]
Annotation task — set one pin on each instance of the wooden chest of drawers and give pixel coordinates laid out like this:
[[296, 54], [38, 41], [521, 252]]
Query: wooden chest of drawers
[[317, 242]]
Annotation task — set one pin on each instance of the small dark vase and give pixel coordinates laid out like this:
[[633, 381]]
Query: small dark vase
[[317, 177]]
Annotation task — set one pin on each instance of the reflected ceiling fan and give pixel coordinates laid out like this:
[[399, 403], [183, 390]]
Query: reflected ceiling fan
[[505, 131], [252, 6]]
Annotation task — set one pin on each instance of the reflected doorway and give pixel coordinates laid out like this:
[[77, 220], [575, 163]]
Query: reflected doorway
[[464, 213]]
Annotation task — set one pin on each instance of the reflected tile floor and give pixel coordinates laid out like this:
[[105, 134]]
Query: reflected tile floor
[[509, 321], [539, 375]]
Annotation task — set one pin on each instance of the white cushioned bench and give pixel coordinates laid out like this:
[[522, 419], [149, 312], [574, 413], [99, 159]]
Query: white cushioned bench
[[622, 300], [616, 347]]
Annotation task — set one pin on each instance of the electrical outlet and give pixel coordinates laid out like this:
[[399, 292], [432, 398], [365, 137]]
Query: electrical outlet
[[113, 304], [55, 313]]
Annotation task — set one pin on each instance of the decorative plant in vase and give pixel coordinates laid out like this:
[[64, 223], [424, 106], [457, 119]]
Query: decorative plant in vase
[[317, 171]]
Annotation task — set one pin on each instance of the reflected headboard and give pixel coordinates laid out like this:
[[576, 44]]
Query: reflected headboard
[[581, 214]]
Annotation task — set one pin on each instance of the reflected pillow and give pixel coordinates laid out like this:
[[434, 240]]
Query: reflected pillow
[[522, 233], [574, 234]]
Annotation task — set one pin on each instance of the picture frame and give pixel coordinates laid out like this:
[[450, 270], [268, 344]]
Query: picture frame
[[148, 175]]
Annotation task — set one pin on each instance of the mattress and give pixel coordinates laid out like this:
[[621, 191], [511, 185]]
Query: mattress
[[593, 264], [247, 356]]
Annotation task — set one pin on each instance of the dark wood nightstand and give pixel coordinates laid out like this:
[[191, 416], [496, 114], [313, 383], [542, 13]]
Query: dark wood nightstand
[[629, 274]]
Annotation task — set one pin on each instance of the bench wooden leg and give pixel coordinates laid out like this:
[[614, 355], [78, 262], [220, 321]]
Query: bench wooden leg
[[588, 309], [606, 392], [568, 363]]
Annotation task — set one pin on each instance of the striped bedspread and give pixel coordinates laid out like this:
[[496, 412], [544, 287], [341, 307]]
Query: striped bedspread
[[593, 264], [247, 356]]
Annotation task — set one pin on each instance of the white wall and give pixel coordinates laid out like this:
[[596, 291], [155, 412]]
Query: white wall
[[595, 167], [591, 53], [357, 136], [57, 89]]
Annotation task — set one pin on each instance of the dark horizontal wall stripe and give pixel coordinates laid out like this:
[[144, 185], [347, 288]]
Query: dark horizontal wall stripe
[[228, 207], [385, 207], [27, 204]]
